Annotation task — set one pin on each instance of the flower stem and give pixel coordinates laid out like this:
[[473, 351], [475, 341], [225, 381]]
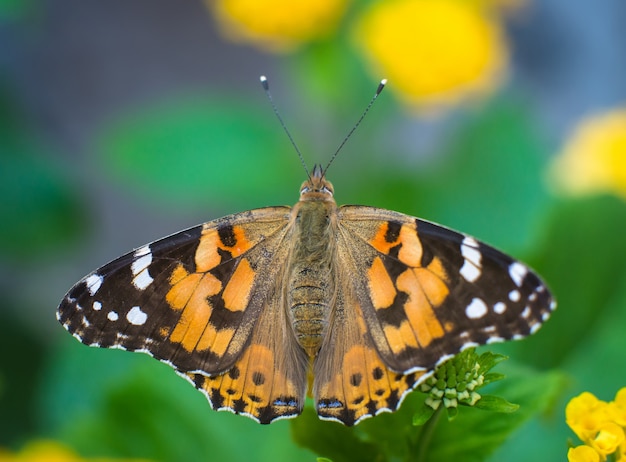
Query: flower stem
[[422, 441]]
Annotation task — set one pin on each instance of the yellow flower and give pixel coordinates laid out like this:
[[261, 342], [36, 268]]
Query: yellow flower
[[279, 25], [600, 425], [49, 451], [434, 52], [582, 454], [594, 158], [617, 408], [608, 439], [584, 414]]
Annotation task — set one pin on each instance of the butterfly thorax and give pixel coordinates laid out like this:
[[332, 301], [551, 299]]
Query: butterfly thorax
[[310, 276]]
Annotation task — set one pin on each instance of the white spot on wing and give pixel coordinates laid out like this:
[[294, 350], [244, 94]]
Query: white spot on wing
[[97, 305], [140, 267], [136, 316], [517, 271], [514, 296], [94, 282], [476, 309], [142, 280], [471, 266], [469, 272], [112, 316], [141, 263], [499, 308]]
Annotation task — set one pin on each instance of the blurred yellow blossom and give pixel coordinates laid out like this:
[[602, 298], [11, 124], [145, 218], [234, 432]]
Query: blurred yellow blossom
[[435, 52], [600, 426], [582, 454], [277, 25], [594, 157], [50, 451]]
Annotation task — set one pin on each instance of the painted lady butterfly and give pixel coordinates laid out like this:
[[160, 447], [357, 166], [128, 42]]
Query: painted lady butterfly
[[365, 301]]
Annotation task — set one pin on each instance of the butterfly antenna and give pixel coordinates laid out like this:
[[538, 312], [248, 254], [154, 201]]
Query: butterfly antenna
[[266, 87], [381, 85]]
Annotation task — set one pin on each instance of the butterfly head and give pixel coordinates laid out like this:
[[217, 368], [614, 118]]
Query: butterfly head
[[316, 188]]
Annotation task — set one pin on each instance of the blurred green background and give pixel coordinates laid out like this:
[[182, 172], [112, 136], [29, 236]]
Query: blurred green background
[[124, 121]]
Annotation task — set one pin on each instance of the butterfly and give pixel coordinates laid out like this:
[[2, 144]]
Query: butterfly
[[353, 305]]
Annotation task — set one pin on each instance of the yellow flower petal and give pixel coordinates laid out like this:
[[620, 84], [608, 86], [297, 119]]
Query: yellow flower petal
[[585, 414], [582, 454], [434, 52], [594, 158], [278, 25], [51, 451], [609, 437], [617, 408]]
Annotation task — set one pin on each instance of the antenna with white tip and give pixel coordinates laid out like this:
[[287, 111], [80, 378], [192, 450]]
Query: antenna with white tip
[[380, 88], [266, 87]]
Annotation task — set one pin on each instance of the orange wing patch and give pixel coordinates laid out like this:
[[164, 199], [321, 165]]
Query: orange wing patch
[[253, 386], [405, 285], [211, 298], [408, 321], [382, 289], [352, 381], [191, 293], [363, 387]]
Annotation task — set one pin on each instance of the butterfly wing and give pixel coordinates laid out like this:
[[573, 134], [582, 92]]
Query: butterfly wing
[[191, 299], [268, 381], [429, 291], [351, 380]]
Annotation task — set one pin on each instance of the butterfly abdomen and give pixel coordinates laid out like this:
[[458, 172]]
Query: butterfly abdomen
[[310, 282]]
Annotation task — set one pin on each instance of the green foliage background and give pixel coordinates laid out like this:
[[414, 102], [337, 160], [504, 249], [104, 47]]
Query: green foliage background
[[221, 151]]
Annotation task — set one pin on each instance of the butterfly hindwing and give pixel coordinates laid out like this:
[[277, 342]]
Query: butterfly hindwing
[[430, 292], [351, 380], [190, 299], [269, 380]]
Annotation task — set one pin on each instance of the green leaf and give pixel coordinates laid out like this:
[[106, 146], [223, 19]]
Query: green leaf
[[581, 257], [331, 439], [201, 151], [422, 415], [118, 404], [491, 183], [495, 404]]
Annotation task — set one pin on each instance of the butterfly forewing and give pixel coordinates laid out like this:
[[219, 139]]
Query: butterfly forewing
[[431, 291], [190, 299]]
